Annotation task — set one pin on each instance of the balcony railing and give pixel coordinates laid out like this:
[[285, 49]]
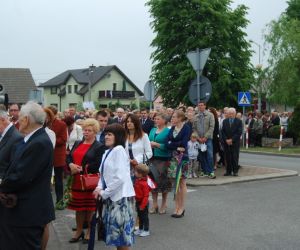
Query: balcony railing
[[113, 94]]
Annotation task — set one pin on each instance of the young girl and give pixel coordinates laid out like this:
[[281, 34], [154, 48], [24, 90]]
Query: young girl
[[142, 190], [193, 150]]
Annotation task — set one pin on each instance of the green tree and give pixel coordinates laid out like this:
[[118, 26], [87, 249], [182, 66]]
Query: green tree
[[283, 37], [294, 125], [182, 26]]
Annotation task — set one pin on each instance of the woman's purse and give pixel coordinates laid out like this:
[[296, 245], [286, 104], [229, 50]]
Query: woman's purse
[[99, 219], [89, 181]]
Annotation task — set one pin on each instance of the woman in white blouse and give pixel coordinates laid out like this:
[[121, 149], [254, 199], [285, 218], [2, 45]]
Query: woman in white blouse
[[74, 132], [138, 146], [116, 188]]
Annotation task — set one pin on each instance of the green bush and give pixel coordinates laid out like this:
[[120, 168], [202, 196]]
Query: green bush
[[274, 132]]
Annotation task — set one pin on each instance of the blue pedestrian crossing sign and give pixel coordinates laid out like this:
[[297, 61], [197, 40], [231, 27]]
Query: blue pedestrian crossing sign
[[244, 99]]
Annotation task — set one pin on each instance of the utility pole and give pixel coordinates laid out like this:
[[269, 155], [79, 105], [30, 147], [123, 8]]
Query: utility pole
[[91, 72], [259, 67]]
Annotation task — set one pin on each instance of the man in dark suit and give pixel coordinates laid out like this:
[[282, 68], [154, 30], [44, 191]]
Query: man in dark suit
[[119, 118], [25, 190], [102, 118], [147, 123], [9, 136], [73, 113], [231, 133]]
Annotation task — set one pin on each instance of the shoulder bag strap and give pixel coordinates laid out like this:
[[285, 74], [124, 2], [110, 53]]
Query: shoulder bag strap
[[102, 170]]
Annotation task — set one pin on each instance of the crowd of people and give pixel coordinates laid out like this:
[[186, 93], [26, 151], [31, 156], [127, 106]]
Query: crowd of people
[[137, 153]]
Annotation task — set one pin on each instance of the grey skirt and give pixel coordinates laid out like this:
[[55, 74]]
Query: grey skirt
[[161, 177]]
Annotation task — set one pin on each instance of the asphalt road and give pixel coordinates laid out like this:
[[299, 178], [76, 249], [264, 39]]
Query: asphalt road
[[259, 215], [282, 162]]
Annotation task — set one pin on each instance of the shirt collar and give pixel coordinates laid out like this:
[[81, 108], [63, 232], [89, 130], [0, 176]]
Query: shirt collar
[[27, 137], [6, 129]]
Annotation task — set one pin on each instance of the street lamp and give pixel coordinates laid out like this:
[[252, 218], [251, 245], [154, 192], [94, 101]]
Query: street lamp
[[259, 66], [91, 71]]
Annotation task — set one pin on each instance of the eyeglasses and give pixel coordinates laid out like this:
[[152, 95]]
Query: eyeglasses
[[13, 110]]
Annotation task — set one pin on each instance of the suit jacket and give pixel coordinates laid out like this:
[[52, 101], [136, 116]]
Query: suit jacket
[[116, 120], [60, 130], [7, 143], [92, 158], [233, 132], [147, 126], [28, 176]]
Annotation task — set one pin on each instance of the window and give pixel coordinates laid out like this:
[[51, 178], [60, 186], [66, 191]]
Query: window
[[53, 90], [69, 89], [114, 86], [75, 89]]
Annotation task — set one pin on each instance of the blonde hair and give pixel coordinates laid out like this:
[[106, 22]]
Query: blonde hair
[[194, 135], [142, 169], [90, 122], [180, 115]]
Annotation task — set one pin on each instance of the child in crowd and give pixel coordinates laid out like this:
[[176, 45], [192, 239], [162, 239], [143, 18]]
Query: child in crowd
[[142, 191], [193, 150]]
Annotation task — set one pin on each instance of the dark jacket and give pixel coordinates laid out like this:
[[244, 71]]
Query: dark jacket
[[28, 177], [181, 140], [233, 132], [92, 158], [7, 143], [147, 126]]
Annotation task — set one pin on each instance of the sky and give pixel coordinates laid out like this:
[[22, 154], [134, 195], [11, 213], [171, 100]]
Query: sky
[[51, 36]]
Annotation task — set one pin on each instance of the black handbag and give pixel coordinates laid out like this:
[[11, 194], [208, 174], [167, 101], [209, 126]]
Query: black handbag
[[153, 172], [99, 219]]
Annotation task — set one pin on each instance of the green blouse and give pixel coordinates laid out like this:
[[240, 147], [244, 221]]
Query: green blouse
[[160, 138]]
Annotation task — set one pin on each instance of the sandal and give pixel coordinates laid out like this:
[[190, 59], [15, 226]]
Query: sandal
[[162, 211], [153, 210]]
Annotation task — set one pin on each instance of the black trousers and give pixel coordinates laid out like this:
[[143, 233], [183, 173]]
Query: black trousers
[[232, 158], [59, 185], [143, 217], [21, 238]]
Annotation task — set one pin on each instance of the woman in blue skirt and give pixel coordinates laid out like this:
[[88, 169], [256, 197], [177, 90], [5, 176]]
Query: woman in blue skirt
[[116, 189]]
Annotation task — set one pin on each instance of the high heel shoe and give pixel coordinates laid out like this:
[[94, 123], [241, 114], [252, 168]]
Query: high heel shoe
[[178, 215], [74, 240], [153, 210], [85, 241]]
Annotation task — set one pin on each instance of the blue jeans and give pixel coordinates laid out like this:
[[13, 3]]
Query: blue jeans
[[206, 158]]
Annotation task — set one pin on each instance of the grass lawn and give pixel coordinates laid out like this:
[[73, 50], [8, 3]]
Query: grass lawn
[[292, 151]]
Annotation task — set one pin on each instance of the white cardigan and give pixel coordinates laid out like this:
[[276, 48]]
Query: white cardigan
[[76, 135], [116, 173], [140, 147]]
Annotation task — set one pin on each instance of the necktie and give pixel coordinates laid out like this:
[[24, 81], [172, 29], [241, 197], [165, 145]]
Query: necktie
[[143, 121], [230, 121], [120, 120]]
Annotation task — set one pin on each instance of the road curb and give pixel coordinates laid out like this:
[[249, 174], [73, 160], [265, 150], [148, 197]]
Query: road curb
[[222, 180], [269, 154]]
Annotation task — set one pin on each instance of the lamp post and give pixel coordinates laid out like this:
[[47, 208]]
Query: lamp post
[[259, 67], [91, 71]]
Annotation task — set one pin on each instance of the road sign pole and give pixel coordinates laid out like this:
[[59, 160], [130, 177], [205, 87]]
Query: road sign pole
[[244, 126], [150, 94], [198, 76]]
